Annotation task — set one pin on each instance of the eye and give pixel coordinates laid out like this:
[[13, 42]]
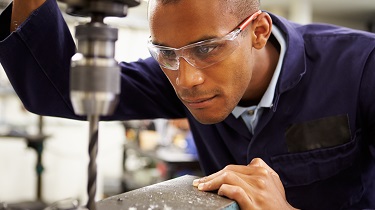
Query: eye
[[170, 54], [204, 49]]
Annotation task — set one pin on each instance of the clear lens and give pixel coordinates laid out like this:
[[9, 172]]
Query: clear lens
[[166, 62], [210, 54], [200, 55]]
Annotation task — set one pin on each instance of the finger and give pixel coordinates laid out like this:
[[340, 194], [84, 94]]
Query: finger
[[228, 177], [241, 169], [256, 167], [236, 193], [196, 182], [258, 162], [250, 169]]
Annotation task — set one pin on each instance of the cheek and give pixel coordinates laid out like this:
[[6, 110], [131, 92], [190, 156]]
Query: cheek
[[237, 88], [240, 76]]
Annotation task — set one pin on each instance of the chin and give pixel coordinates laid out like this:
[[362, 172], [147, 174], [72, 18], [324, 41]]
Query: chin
[[207, 120]]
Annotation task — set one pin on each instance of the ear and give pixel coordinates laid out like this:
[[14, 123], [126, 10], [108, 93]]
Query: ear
[[262, 27]]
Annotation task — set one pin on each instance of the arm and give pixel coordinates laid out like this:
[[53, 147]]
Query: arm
[[36, 58], [21, 10], [255, 186]]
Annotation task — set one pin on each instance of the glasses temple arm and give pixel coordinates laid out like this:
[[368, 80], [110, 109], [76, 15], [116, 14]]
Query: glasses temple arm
[[249, 20]]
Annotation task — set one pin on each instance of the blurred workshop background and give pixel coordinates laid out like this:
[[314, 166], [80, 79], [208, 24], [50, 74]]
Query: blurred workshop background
[[45, 158]]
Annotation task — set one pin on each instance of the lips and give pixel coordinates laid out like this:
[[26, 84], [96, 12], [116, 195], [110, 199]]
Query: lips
[[198, 103]]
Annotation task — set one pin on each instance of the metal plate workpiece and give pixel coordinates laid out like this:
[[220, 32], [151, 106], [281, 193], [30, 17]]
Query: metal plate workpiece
[[174, 194]]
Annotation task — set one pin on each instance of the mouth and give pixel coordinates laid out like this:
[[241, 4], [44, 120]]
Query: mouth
[[198, 103]]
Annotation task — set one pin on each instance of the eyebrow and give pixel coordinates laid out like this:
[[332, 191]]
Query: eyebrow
[[206, 37]]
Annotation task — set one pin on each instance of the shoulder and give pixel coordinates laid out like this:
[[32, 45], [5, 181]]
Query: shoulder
[[327, 33], [322, 32]]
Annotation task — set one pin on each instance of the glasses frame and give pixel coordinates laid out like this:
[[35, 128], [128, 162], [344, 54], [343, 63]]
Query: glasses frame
[[179, 52]]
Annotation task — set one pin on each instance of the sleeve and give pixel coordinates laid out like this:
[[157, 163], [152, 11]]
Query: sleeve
[[36, 54], [36, 58], [146, 93]]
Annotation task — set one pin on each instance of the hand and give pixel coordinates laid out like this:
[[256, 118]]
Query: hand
[[255, 186]]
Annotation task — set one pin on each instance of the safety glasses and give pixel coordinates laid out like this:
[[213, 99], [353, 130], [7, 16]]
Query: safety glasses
[[201, 54]]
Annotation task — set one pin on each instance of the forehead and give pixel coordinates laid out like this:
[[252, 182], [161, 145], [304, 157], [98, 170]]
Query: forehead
[[187, 21]]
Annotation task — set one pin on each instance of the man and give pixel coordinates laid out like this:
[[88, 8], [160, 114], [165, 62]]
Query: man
[[283, 115]]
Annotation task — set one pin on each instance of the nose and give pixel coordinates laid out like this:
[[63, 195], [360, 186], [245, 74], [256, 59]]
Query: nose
[[188, 76]]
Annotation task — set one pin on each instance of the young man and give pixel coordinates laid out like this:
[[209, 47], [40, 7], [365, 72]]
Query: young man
[[283, 115]]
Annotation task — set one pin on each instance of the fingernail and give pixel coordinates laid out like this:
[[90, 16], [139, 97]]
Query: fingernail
[[201, 186], [219, 192], [196, 182]]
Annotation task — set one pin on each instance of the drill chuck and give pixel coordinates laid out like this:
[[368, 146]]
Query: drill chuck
[[95, 74]]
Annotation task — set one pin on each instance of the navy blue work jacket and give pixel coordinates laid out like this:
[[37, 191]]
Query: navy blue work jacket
[[319, 135]]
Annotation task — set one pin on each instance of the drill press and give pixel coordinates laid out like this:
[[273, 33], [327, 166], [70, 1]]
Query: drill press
[[95, 74]]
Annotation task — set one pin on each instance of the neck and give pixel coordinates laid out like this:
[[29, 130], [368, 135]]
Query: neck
[[266, 62]]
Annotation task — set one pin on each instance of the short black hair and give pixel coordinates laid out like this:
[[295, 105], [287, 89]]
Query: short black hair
[[242, 8], [239, 8]]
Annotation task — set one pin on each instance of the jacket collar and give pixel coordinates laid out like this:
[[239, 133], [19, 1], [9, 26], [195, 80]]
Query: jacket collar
[[294, 65]]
